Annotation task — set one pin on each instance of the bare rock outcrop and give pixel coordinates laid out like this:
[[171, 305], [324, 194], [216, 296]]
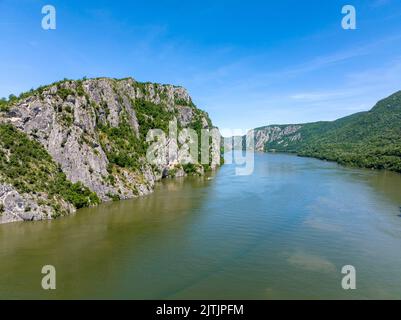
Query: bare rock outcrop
[[15, 206], [95, 130], [277, 134]]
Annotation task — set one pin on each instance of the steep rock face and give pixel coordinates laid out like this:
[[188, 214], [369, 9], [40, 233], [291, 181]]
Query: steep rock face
[[277, 134], [96, 131], [15, 206]]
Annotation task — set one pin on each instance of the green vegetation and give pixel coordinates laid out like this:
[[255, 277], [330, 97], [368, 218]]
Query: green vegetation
[[113, 197], [142, 86], [6, 103], [125, 149], [183, 102], [121, 145], [62, 92], [190, 168], [3, 105], [152, 116], [26, 165], [366, 139], [172, 172]]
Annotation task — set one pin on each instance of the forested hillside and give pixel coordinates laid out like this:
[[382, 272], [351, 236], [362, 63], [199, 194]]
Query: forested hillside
[[367, 139]]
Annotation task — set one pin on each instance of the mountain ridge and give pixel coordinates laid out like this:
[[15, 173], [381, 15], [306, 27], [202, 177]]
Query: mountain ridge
[[370, 139]]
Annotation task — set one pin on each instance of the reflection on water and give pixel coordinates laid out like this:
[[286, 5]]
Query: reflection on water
[[283, 232]]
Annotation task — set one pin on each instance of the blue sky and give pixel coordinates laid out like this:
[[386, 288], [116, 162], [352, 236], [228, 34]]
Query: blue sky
[[248, 63]]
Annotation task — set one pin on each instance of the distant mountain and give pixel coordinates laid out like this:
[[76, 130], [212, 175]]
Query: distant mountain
[[366, 139]]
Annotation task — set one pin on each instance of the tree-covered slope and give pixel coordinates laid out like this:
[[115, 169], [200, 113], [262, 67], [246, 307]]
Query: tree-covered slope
[[367, 139]]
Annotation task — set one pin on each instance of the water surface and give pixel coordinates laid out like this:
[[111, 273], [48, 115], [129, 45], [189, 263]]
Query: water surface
[[283, 232]]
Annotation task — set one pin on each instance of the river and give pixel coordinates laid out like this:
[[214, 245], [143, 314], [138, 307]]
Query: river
[[285, 231]]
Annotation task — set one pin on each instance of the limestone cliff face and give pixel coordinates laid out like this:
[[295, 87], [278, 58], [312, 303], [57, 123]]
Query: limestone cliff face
[[15, 206], [96, 130], [281, 135]]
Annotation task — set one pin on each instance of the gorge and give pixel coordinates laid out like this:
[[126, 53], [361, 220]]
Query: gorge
[[291, 224]]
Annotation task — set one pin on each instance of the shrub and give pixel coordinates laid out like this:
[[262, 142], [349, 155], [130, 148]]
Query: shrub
[[26, 165]]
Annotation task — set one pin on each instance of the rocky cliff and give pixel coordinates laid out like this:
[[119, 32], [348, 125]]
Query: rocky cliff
[[278, 134], [370, 139], [76, 143]]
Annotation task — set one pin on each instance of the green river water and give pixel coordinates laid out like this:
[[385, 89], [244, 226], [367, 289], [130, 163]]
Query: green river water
[[283, 232]]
